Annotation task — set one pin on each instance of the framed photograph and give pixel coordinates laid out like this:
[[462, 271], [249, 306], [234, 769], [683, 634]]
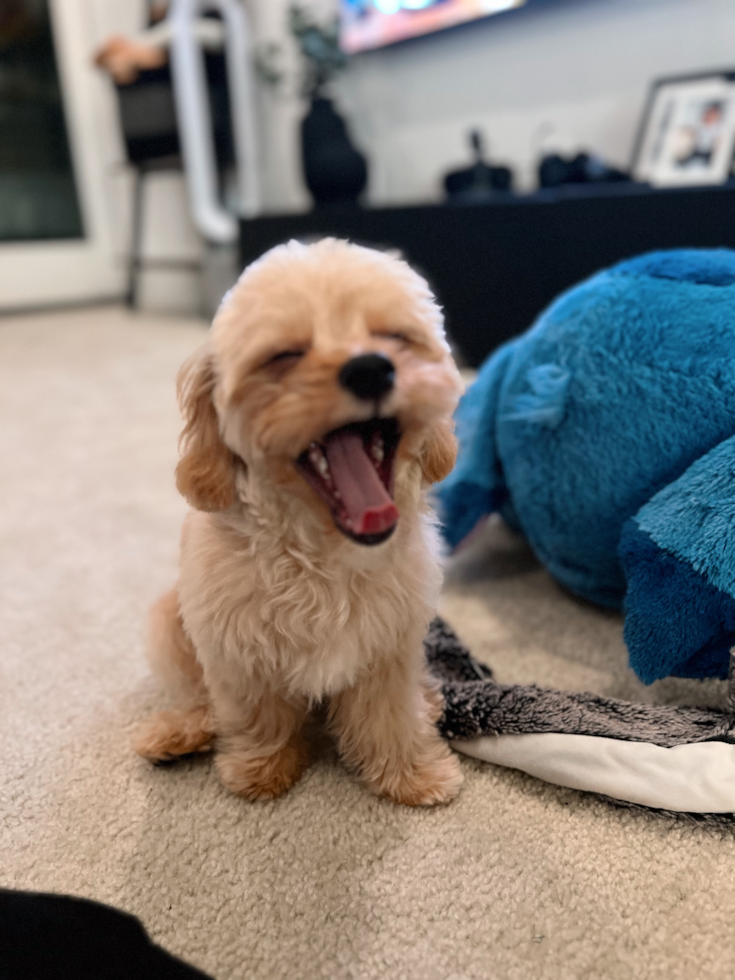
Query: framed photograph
[[687, 136]]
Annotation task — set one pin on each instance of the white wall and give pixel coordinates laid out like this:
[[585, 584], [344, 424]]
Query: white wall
[[581, 66]]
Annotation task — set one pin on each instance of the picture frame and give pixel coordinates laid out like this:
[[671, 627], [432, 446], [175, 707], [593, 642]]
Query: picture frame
[[687, 134]]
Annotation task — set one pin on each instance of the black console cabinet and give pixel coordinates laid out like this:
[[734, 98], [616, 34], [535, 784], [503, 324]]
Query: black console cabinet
[[495, 266]]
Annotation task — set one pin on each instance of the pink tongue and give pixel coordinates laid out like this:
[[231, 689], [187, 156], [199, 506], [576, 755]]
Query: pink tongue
[[367, 502]]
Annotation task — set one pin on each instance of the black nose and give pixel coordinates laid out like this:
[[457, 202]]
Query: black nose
[[370, 376]]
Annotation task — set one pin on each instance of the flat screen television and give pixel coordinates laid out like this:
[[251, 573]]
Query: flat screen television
[[375, 23]]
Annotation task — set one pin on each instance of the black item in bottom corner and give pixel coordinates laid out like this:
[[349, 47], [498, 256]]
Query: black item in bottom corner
[[334, 171], [57, 937]]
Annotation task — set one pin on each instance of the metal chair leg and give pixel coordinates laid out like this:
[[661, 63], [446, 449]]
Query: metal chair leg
[[136, 241]]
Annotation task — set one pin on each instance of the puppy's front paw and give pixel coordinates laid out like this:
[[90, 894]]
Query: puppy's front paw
[[168, 735], [426, 783], [259, 777]]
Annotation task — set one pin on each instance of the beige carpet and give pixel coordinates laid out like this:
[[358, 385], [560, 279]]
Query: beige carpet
[[517, 879]]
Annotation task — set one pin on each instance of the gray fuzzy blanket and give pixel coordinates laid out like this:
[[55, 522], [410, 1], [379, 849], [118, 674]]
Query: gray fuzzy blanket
[[476, 705]]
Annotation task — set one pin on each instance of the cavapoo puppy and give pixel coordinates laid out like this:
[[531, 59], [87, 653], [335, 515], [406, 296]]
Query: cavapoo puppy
[[317, 414]]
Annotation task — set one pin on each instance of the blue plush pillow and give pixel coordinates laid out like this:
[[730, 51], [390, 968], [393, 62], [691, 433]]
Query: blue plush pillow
[[578, 426]]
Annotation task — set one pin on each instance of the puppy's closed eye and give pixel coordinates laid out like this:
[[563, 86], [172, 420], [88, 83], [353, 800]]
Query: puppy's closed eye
[[284, 360], [408, 340], [397, 335]]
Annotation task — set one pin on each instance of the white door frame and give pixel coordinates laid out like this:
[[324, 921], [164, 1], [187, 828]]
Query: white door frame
[[37, 274]]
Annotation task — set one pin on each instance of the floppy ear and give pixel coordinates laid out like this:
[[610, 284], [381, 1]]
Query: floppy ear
[[440, 452], [205, 474]]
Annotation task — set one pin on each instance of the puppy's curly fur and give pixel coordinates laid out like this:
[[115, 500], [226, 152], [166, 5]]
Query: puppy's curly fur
[[276, 609]]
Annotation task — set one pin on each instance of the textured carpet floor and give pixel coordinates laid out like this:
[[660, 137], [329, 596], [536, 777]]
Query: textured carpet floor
[[517, 879]]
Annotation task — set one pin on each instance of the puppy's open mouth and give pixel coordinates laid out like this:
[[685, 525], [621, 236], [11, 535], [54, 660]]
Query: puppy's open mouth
[[352, 471]]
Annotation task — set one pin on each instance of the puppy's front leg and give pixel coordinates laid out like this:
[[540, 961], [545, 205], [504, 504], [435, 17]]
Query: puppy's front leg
[[261, 751], [385, 727]]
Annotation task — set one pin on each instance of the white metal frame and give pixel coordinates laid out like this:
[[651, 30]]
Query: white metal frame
[[214, 221]]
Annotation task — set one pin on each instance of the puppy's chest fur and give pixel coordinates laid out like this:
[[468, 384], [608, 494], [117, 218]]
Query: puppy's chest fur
[[258, 612]]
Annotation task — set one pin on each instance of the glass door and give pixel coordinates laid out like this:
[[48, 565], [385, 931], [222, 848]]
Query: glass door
[[56, 243], [38, 194]]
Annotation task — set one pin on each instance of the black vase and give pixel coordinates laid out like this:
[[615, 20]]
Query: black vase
[[334, 171]]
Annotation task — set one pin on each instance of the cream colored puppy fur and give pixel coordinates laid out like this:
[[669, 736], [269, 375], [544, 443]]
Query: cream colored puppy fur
[[277, 613]]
